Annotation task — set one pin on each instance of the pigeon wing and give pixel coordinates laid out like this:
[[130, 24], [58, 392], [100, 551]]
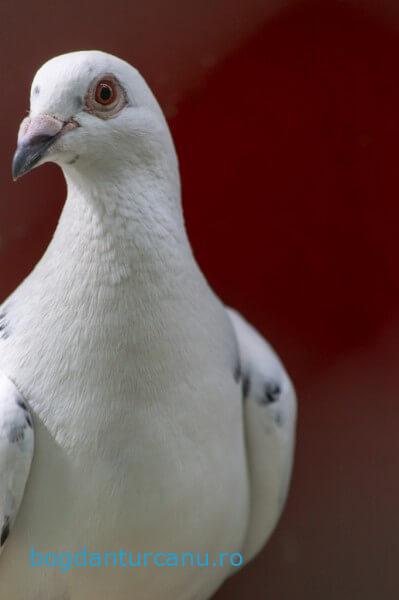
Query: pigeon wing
[[16, 452], [269, 424]]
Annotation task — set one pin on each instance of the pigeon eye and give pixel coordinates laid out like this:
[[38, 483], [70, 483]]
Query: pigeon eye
[[105, 93], [105, 97]]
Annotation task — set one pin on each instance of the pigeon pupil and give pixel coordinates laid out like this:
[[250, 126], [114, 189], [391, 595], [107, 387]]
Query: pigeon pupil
[[104, 93]]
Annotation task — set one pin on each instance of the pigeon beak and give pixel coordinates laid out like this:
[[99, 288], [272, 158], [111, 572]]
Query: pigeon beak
[[35, 137]]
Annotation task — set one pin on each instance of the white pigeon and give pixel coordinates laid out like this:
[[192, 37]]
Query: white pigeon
[[163, 422]]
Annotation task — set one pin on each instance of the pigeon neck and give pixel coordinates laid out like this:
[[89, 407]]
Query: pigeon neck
[[126, 196], [123, 225]]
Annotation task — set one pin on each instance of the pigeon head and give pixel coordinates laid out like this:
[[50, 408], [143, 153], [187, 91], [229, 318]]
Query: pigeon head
[[91, 111]]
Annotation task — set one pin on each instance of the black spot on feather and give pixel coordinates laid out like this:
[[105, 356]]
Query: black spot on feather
[[21, 403], [5, 531], [272, 391], [16, 434], [74, 160], [237, 371], [246, 386], [36, 90]]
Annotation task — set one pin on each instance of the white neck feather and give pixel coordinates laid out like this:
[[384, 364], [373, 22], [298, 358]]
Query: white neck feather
[[124, 226]]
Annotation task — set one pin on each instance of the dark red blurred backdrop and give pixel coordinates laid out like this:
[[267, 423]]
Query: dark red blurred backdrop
[[285, 116]]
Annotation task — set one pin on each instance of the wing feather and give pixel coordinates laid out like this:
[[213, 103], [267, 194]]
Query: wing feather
[[16, 452], [269, 422]]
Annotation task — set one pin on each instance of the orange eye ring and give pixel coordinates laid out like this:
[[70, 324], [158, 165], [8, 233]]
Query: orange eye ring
[[105, 97], [105, 93]]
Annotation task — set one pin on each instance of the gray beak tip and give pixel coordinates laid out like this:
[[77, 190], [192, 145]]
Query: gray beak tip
[[27, 155], [16, 170], [25, 158]]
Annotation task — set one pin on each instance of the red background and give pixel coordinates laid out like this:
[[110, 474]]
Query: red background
[[285, 116]]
